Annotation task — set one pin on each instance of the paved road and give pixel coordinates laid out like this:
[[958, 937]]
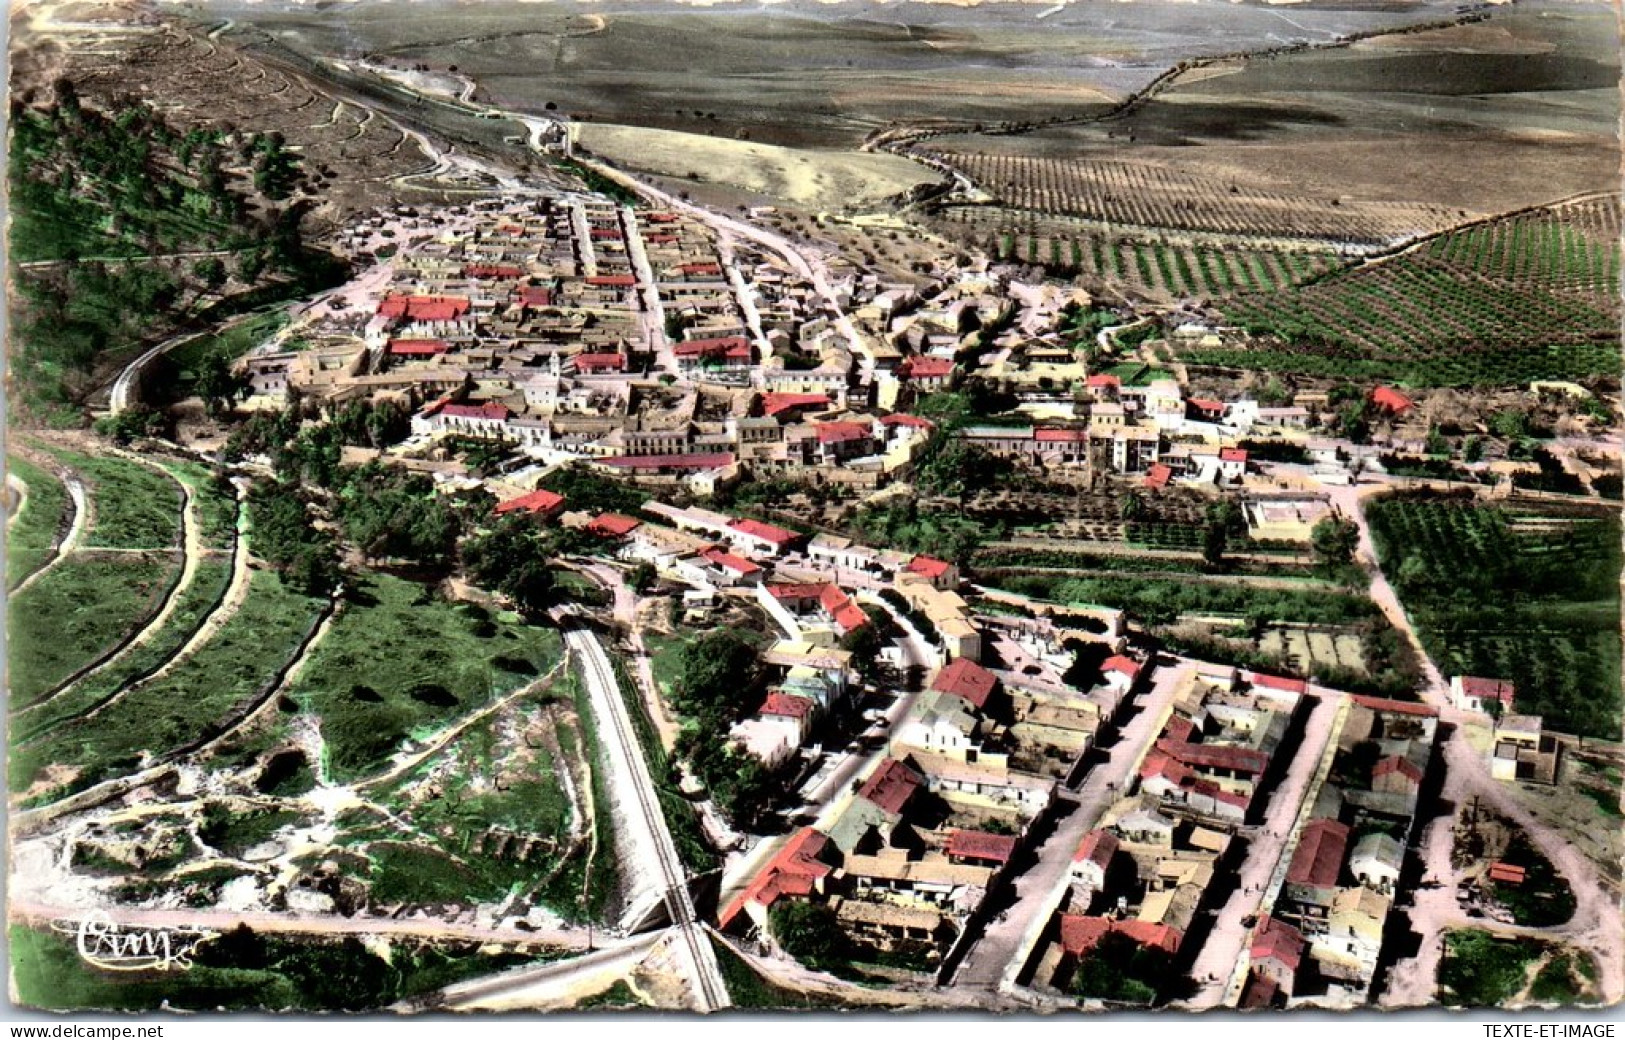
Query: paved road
[[995, 960], [642, 816]]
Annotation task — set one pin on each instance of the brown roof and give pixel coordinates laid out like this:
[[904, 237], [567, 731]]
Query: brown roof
[[891, 786], [982, 845], [966, 679], [1280, 941], [1318, 859]]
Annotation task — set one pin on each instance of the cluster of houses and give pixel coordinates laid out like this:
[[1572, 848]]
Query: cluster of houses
[[1321, 940]]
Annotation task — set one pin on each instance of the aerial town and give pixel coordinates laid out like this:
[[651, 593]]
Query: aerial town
[[601, 589]]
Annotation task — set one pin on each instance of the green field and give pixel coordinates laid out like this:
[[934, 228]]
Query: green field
[[189, 702], [1525, 594], [215, 505], [1160, 601], [29, 538], [133, 507], [75, 612], [1529, 297], [1482, 970], [245, 970], [400, 662], [195, 601]]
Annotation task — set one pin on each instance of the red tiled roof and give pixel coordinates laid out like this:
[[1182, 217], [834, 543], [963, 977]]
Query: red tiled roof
[[598, 362], [1216, 756], [697, 461], [904, 419], [605, 234], [794, 871], [1318, 859], [660, 218], [891, 786], [423, 308], [728, 561], [766, 532], [928, 367], [1397, 764], [1232, 455], [774, 403], [1123, 665], [700, 268], [1203, 404], [841, 432], [928, 567], [1507, 873], [1179, 727], [1097, 847], [1061, 436], [1488, 689], [966, 679], [1276, 682], [1279, 941], [488, 410], [1391, 400], [982, 845], [660, 239], [536, 296], [613, 525], [806, 591], [418, 347], [1158, 475], [1080, 934], [538, 501], [1103, 380], [786, 705], [848, 615], [1160, 763], [1390, 705], [613, 281]]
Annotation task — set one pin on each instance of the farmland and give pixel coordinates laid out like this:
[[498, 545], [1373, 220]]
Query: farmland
[[1512, 300], [1517, 593], [134, 506], [1131, 195]]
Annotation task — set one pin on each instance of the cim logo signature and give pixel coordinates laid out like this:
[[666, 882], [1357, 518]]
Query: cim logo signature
[[104, 943]]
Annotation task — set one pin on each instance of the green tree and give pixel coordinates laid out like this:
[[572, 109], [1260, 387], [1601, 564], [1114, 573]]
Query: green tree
[[1333, 540], [808, 932], [217, 384]]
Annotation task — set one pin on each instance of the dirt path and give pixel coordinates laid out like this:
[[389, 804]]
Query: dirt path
[[20, 490], [77, 526], [627, 612]]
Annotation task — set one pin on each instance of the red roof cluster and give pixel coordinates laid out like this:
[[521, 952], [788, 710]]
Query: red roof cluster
[[995, 848], [695, 461], [1318, 859], [612, 525], [538, 501], [842, 432], [785, 705], [793, 872], [1278, 941], [600, 362], [1080, 934], [967, 680], [423, 308], [418, 347], [766, 532], [928, 567], [489, 410], [728, 561], [891, 786], [774, 403]]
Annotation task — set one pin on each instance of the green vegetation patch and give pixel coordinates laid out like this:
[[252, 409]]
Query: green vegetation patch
[[1483, 970], [243, 969], [190, 702], [30, 536], [1161, 601], [228, 344], [400, 662], [133, 506], [748, 988], [1528, 594], [77, 611]]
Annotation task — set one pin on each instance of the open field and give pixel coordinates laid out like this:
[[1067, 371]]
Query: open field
[[132, 506], [398, 662], [802, 73], [30, 536], [187, 703], [815, 180], [1521, 593], [1523, 298]]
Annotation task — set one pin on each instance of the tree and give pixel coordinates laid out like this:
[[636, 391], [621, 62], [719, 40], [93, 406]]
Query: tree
[[716, 667], [1510, 423], [1333, 541], [211, 271], [1437, 443], [217, 384], [1130, 507], [808, 932], [1120, 969]]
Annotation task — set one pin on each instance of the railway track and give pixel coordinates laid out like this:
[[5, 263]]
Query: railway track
[[712, 991]]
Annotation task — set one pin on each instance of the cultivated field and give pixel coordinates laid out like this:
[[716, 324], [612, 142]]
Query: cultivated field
[[1527, 297]]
